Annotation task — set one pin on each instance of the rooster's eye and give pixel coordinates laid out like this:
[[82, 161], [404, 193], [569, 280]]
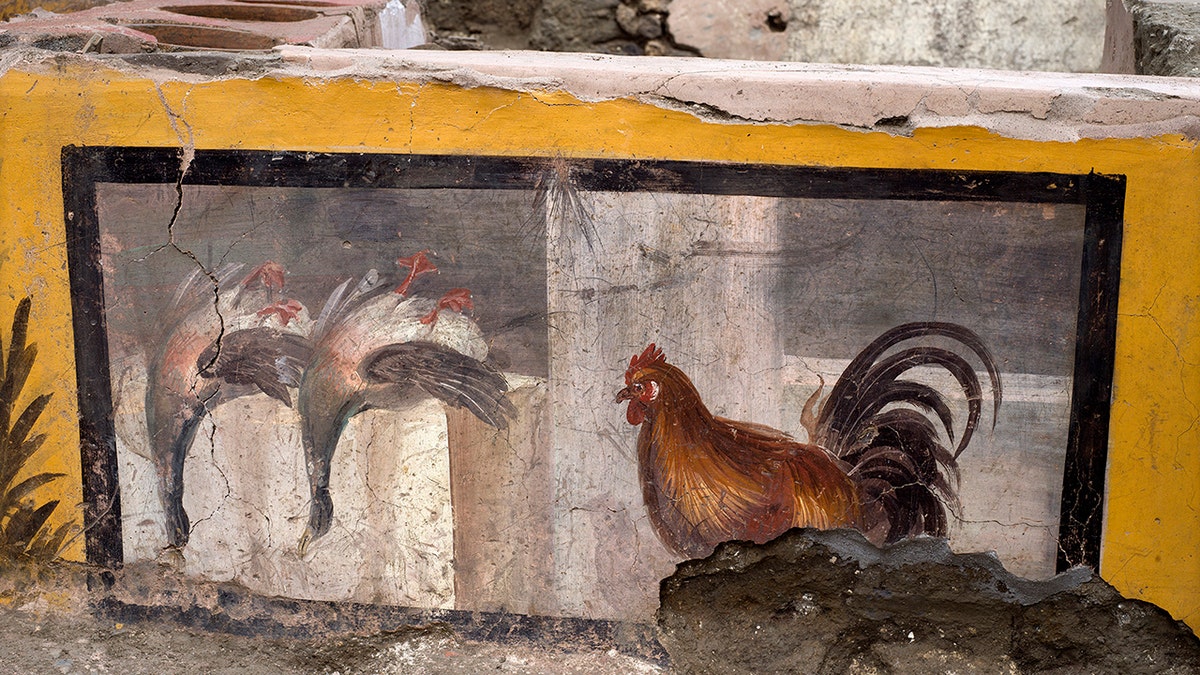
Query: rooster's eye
[[637, 387]]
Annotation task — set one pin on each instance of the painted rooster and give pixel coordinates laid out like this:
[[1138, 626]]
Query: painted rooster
[[217, 347], [875, 458], [379, 349]]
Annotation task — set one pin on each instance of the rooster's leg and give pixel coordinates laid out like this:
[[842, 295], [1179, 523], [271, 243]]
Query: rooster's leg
[[320, 516], [170, 477]]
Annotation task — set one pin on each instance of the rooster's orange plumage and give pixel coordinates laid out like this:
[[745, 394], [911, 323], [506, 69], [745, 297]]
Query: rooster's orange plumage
[[870, 463]]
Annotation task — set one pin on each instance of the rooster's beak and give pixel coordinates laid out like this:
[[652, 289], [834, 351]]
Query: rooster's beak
[[624, 395]]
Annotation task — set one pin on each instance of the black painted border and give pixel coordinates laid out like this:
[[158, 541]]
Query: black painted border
[[1102, 195], [1081, 517], [238, 612]]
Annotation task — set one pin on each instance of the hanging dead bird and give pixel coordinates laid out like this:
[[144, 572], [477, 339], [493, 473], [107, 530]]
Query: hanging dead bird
[[226, 336], [375, 346]]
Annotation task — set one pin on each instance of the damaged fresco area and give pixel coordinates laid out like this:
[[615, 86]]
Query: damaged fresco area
[[420, 392]]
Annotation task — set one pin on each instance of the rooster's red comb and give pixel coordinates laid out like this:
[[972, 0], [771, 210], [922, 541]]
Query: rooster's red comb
[[653, 356]]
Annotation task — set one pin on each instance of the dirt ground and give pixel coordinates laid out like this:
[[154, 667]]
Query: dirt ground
[[48, 625], [35, 642]]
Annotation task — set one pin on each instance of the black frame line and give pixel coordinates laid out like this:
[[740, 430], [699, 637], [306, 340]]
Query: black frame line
[[1081, 516]]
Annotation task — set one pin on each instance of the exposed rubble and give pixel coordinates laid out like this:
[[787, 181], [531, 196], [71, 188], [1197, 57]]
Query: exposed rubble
[[830, 602]]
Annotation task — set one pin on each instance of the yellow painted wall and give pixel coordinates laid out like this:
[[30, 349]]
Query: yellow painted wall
[[1151, 546]]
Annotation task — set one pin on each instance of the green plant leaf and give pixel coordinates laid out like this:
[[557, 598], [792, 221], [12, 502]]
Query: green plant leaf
[[21, 490], [29, 417], [12, 464], [23, 526]]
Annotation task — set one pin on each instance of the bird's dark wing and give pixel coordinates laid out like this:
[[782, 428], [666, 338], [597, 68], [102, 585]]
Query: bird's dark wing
[[452, 377], [267, 358]]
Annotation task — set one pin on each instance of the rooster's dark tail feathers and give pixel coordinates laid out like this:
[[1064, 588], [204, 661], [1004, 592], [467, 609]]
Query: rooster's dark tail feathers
[[907, 476]]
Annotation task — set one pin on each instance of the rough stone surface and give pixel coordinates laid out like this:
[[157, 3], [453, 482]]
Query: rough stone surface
[[730, 29], [1160, 37], [37, 643], [499, 25], [1118, 39], [579, 25], [820, 602], [632, 27], [11, 8], [1166, 37], [829, 602], [1026, 35], [895, 100]]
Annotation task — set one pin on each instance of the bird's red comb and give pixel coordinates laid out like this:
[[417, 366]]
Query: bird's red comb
[[271, 274], [653, 356], [456, 299], [286, 309], [417, 264]]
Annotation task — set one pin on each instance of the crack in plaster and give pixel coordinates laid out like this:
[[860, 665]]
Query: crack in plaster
[[263, 514], [713, 112], [549, 104], [1017, 523], [244, 235], [493, 111], [367, 451], [412, 115], [212, 449], [187, 155]]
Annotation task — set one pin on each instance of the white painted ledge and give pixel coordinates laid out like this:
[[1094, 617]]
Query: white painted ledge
[[1027, 105]]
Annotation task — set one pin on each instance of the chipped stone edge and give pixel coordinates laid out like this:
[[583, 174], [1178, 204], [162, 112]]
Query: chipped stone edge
[[895, 100], [851, 547], [892, 99]]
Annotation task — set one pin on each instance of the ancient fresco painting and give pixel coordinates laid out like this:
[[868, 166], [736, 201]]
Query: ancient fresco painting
[[434, 389], [282, 339], [760, 301]]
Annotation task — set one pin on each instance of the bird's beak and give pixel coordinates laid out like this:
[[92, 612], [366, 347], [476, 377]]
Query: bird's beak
[[624, 395]]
